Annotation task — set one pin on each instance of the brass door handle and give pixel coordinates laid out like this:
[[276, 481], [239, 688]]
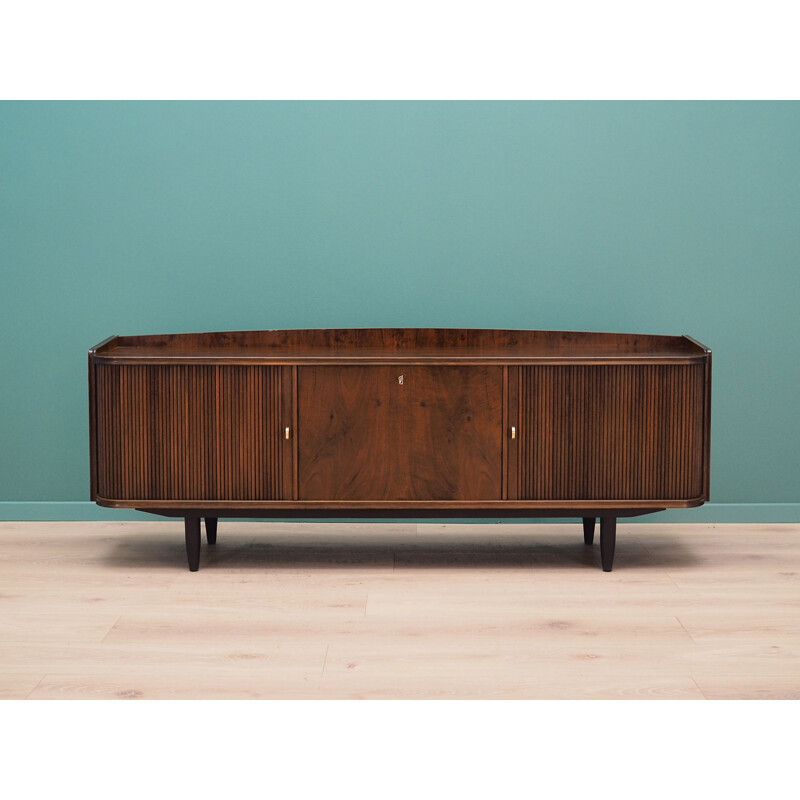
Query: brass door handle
[[513, 432], [287, 432]]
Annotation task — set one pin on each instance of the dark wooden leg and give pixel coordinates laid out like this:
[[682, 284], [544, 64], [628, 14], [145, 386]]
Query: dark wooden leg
[[588, 530], [608, 539], [192, 525], [211, 530]]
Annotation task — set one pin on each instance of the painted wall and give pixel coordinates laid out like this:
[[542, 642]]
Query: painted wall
[[155, 217]]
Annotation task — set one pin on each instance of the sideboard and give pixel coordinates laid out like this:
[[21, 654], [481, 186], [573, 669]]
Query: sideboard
[[400, 422]]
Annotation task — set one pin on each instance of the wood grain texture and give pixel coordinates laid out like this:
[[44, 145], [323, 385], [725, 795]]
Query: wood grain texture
[[365, 435], [398, 344], [321, 610], [611, 432], [191, 432]]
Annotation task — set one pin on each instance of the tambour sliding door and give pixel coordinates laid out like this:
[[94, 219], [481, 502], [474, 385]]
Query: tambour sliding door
[[607, 432], [186, 432]]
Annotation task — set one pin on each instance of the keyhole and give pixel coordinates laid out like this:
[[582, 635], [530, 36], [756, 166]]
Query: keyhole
[[400, 379]]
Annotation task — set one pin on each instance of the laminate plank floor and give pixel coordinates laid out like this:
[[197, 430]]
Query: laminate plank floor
[[363, 610]]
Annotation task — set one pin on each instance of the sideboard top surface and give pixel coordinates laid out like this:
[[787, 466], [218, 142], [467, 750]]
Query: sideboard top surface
[[420, 345]]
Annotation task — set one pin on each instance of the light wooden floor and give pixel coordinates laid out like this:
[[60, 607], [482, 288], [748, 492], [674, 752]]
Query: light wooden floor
[[301, 610]]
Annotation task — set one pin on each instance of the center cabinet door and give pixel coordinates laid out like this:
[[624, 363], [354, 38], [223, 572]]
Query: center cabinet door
[[400, 433]]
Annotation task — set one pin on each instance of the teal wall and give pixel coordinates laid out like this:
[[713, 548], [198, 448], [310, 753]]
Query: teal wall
[[656, 217]]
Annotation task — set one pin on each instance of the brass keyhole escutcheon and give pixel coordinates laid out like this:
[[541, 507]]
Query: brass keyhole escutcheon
[[400, 379]]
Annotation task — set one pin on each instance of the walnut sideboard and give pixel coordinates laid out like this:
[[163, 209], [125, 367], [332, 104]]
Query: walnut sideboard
[[400, 422]]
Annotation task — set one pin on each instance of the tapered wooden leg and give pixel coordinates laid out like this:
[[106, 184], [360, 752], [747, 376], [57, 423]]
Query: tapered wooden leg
[[608, 540], [192, 525], [211, 529], [588, 530]]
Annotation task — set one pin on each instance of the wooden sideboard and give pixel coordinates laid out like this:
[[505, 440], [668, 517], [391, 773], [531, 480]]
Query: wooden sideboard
[[400, 422]]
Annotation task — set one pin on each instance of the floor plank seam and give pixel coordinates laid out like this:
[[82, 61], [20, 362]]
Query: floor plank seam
[[105, 635], [38, 684], [702, 693], [685, 631], [324, 661]]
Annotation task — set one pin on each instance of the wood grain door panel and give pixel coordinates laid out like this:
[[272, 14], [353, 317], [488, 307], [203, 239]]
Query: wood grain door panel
[[363, 434]]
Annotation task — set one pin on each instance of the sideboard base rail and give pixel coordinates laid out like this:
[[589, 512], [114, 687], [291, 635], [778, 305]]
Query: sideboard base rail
[[378, 515]]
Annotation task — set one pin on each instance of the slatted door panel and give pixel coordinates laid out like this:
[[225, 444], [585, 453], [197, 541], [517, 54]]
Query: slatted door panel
[[193, 432], [610, 432]]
